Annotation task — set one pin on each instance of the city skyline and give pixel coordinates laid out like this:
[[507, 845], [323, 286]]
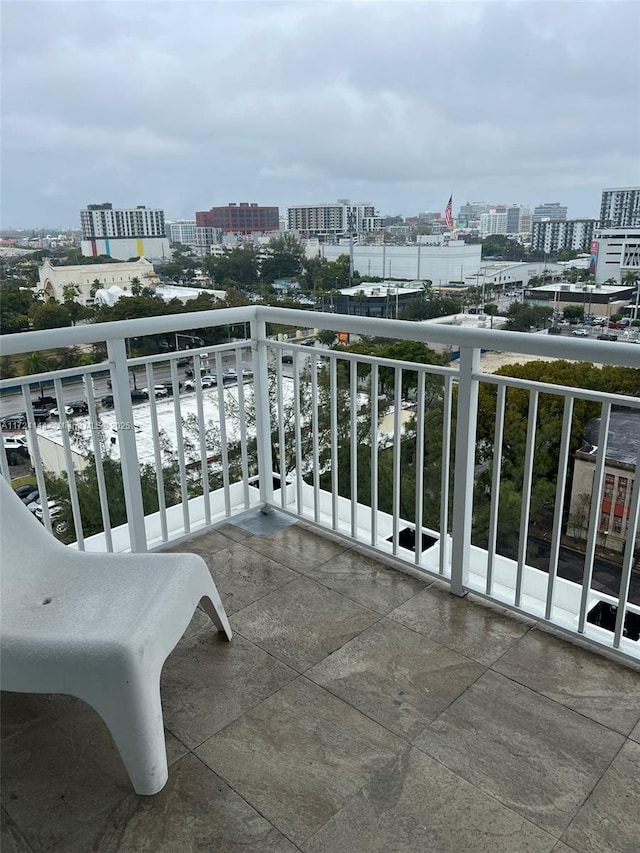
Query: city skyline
[[185, 106]]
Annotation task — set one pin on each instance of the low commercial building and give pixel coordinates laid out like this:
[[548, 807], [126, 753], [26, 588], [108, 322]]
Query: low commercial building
[[440, 264], [383, 299], [602, 300], [81, 282]]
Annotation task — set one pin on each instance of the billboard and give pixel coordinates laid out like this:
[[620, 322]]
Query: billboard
[[593, 260], [343, 337]]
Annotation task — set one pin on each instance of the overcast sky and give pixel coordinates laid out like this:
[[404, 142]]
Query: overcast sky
[[186, 105]]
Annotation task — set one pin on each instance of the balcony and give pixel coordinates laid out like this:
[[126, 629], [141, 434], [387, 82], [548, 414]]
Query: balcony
[[358, 708], [361, 705]]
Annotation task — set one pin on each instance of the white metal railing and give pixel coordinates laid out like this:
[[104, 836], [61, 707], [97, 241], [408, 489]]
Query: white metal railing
[[312, 444]]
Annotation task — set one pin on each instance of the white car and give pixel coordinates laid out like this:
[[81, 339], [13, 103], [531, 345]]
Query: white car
[[55, 413], [206, 382], [582, 333], [158, 391]]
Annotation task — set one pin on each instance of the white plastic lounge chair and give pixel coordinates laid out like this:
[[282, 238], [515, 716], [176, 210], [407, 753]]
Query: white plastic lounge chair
[[99, 627]]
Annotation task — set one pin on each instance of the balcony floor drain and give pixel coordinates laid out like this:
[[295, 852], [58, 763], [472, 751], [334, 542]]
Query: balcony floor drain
[[407, 539]]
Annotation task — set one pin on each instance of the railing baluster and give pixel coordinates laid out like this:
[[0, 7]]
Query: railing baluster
[[157, 454], [263, 419], [527, 484], [315, 429], [447, 413], [282, 435], [222, 420], [420, 463], [466, 423], [556, 535], [130, 467], [375, 440], [629, 551], [596, 502], [353, 398], [498, 438], [334, 443], [97, 456], [397, 446], [68, 462], [242, 419], [297, 418]]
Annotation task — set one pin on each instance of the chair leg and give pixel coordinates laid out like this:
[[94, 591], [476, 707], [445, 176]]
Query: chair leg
[[213, 607], [133, 714]]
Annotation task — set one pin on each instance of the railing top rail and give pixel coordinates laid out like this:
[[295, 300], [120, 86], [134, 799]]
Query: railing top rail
[[599, 352], [562, 390]]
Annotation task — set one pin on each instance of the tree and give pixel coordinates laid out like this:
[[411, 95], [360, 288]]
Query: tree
[[15, 305], [239, 264], [523, 318], [574, 312], [49, 316], [284, 259]]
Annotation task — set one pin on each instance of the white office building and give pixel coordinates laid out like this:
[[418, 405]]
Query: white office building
[[620, 208], [549, 210], [493, 222], [614, 252], [124, 233], [330, 221], [182, 231]]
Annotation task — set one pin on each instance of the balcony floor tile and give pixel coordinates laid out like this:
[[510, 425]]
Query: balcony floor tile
[[464, 625], [358, 577], [535, 756], [417, 804], [576, 678], [395, 676], [195, 811], [301, 746], [617, 796], [302, 623], [263, 758]]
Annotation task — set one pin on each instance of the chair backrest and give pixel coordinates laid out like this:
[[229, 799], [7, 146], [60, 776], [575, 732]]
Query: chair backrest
[[23, 538]]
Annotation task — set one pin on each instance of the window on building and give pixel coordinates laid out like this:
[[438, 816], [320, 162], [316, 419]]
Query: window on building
[[622, 489], [608, 485]]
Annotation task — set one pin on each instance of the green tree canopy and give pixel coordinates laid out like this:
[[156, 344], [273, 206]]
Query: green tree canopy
[[284, 259]]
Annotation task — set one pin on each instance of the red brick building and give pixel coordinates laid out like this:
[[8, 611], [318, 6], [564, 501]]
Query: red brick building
[[243, 218]]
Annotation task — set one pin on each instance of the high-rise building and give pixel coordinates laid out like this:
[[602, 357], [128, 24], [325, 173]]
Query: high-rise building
[[243, 218], [494, 222], [620, 208], [329, 221], [549, 210], [124, 233], [470, 213], [182, 231], [518, 219], [552, 235]]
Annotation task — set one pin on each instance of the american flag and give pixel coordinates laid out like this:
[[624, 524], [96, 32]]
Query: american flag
[[448, 217]]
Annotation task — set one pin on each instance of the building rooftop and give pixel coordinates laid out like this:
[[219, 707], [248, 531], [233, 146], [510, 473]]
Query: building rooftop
[[357, 709]]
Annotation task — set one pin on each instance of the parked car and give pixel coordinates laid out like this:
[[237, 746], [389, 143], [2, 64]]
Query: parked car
[[583, 333], [54, 512], [607, 337], [17, 450], [230, 376], [287, 357], [44, 402], [138, 395], [79, 407], [19, 419], [26, 490], [184, 362], [30, 497], [158, 390], [107, 401], [55, 413], [207, 381]]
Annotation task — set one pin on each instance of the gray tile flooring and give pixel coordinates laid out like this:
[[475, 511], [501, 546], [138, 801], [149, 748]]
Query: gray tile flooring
[[357, 709]]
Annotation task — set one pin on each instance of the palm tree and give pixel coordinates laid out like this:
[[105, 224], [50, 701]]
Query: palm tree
[[35, 362]]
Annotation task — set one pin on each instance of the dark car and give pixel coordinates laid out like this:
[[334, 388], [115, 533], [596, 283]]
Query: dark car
[[19, 419], [184, 362], [607, 337], [137, 395], [45, 402], [287, 358], [79, 407], [107, 401], [24, 491]]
